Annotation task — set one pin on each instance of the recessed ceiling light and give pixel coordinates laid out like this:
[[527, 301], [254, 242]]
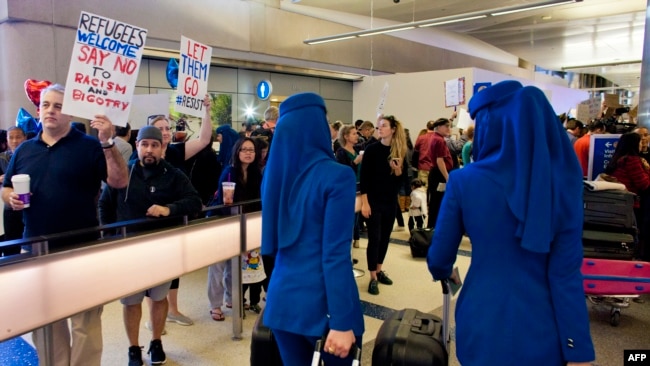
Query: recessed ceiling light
[[547, 17]]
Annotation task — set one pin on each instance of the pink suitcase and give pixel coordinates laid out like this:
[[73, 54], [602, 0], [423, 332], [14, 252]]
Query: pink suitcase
[[614, 282], [606, 277]]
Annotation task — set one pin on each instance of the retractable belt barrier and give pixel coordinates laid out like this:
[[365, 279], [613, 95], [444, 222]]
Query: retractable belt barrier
[[42, 287]]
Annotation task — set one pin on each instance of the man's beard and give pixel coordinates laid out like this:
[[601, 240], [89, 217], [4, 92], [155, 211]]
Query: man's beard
[[149, 161]]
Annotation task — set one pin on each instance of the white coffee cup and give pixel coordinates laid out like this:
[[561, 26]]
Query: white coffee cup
[[228, 192], [21, 187], [361, 152]]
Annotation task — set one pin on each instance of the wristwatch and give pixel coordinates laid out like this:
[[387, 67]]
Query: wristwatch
[[108, 144]]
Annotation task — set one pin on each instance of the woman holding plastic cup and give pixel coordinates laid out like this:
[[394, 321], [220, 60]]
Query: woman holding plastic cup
[[240, 181]]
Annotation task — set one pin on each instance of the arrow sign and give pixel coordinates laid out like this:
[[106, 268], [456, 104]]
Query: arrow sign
[[601, 150]]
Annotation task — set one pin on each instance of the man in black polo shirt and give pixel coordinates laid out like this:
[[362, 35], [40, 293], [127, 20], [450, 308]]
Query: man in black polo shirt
[[66, 168]]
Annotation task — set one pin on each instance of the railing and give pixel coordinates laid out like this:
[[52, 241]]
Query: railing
[[43, 287]]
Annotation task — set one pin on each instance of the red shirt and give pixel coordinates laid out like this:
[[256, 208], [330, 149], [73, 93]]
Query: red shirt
[[423, 147], [631, 172], [439, 149], [581, 146]]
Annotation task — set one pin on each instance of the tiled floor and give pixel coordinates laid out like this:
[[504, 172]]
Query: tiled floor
[[210, 343]]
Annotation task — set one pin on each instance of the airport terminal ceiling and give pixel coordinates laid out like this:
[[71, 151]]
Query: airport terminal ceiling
[[599, 37], [262, 34]]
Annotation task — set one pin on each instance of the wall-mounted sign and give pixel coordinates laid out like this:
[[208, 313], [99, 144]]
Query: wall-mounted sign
[[264, 89], [601, 150]]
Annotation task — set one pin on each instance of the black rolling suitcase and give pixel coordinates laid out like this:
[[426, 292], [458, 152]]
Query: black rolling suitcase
[[264, 349], [608, 210], [607, 245], [420, 241], [265, 352], [412, 338]]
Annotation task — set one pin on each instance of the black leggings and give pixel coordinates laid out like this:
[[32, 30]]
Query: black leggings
[[398, 214], [255, 290], [380, 225]]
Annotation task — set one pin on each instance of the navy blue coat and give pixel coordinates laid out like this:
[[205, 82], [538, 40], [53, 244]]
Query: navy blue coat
[[521, 205]]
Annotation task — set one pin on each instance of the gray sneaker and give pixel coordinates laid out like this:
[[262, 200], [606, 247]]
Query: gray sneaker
[[179, 319]]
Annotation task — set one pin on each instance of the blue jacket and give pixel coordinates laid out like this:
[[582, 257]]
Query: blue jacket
[[523, 301], [308, 201]]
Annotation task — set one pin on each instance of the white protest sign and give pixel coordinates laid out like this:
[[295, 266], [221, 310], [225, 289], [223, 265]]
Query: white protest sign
[[145, 105], [103, 68], [454, 92], [464, 119], [382, 100], [193, 70]]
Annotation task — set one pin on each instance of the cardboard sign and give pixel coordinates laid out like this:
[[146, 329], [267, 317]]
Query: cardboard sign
[[464, 119], [193, 70], [103, 68], [601, 150], [454, 92], [145, 105]]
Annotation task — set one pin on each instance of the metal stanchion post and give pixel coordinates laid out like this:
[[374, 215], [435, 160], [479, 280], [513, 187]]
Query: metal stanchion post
[[40, 248], [45, 334], [237, 302], [44, 338], [237, 295]]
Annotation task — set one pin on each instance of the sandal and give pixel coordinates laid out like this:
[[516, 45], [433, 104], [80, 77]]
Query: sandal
[[217, 315]]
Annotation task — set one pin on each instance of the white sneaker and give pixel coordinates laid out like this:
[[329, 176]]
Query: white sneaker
[[399, 228], [147, 325]]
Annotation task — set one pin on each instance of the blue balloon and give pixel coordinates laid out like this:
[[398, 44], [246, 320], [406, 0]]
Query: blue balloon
[[28, 123], [172, 73]]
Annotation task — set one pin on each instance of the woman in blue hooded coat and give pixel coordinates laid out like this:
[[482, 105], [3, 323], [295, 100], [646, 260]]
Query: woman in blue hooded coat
[[227, 138], [307, 218], [520, 202]]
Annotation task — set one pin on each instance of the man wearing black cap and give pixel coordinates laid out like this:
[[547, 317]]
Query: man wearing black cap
[[155, 189], [439, 173]]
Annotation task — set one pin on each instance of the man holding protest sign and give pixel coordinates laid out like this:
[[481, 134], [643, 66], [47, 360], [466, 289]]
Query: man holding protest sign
[[66, 168]]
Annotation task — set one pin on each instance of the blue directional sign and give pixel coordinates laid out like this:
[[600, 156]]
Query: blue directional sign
[[264, 89], [601, 150]]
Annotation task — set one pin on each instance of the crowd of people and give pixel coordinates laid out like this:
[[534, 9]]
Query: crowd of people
[[453, 184], [79, 180]]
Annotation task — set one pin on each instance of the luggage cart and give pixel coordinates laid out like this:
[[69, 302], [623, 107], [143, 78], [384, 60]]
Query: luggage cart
[[614, 282]]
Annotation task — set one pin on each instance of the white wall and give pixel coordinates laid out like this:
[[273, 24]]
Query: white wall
[[416, 98], [413, 98], [561, 97]]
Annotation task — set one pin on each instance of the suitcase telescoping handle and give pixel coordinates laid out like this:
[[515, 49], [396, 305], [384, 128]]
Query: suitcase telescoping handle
[[315, 361], [446, 303]]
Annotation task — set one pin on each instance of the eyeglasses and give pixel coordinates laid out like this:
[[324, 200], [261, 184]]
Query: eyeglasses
[[250, 151], [154, 117]]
